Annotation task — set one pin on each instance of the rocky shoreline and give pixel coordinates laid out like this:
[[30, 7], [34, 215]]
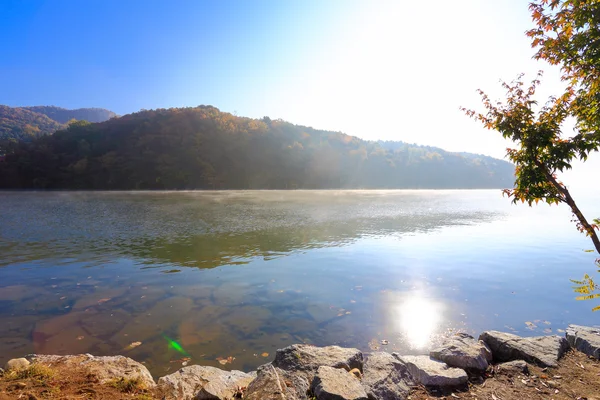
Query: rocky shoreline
[[329, 373]]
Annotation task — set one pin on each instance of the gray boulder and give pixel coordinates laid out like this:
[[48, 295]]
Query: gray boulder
[[294, 367], [275, 384], [302, 357], [544, 351], [462, 351], [337, 384], [430, 372], [106, 369], [513, 368], [197, 382], [17, 363], [385, 377], [585, 339]]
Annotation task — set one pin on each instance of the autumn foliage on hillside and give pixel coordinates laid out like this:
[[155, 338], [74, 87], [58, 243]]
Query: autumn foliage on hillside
[[22, 124], [204, 148]]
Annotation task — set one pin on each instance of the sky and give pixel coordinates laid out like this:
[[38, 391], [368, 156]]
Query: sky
[[389, 70]]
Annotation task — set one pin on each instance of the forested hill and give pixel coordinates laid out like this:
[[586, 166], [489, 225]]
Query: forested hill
[[21, 124], [62, 115], [203, 148], [26, 123]]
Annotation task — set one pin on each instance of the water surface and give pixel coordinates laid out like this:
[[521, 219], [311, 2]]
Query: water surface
[[232, 276]]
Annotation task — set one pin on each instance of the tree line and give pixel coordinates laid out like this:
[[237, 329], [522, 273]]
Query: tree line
[[204, 148]]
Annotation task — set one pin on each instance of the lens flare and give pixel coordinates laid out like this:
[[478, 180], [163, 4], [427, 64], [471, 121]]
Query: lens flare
[[174, 345]]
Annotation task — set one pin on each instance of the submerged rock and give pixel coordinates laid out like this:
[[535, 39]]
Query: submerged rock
[[385, 377], [430, 372], [105, 369], [197, 382], [585, 339], [336, 384], [544, 351], [294, 367], [17, 363], [463, 351]]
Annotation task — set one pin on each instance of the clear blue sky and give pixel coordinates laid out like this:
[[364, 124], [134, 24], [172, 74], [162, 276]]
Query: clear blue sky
[[395, 70], [127, 55]]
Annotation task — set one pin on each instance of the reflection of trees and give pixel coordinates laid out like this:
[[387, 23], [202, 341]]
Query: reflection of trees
[[213, 250], [206, 230]]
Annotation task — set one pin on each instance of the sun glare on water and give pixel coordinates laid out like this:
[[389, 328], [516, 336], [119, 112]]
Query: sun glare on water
[[419, 319]]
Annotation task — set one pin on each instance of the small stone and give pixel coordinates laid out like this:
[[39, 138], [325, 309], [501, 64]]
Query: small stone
[[17, 363], [553, 384], [336, 384], [585, 339], [513, 367], [356, 372], [430, 372]]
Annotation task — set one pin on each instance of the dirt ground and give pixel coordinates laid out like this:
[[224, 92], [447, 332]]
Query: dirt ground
[[576, 378], [41, 382]]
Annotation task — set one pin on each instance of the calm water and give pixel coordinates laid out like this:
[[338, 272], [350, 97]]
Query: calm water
[[240, 274]]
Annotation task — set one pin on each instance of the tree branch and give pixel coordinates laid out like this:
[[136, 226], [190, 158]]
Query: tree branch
[[569, 200]]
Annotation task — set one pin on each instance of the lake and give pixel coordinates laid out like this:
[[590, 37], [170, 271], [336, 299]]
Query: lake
[[226, 278]]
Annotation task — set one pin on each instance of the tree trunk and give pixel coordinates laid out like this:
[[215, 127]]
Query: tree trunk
[[569, 200]]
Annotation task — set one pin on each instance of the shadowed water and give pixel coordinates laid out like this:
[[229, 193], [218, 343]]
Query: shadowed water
[[239, 274]]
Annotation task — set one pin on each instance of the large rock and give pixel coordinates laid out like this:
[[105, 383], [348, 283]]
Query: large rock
[[544, 351], [385, 377], [17, 363], [197, 382], [430, 372], [106, 369], [585, 339], [275, 384], [462, 351], [294, 368], [302, 357], [337, 384]]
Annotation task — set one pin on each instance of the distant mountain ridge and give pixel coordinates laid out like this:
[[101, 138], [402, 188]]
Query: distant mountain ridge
[[26, 123], [396, 145], [204, 148], [22, 124], [63, 115]]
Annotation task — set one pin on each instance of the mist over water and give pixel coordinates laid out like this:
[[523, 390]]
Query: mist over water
[[239, 274]]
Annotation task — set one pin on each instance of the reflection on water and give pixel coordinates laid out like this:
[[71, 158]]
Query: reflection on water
[[419, 320], [226, 278]]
